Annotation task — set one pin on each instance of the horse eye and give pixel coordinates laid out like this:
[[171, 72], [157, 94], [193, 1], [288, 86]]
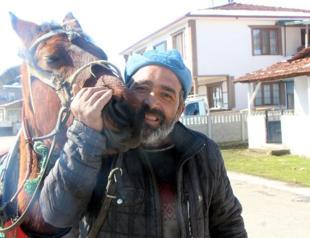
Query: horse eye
[[52, 59]]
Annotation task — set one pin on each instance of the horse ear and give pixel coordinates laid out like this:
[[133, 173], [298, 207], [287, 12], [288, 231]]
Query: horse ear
[[26, 30], [71, 23]]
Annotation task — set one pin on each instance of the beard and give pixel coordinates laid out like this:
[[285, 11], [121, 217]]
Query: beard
[[153, 136]]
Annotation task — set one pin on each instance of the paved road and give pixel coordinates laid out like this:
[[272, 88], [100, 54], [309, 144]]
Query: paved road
[[272, 209]]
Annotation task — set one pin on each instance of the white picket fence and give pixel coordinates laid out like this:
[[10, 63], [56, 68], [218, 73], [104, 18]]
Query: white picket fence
[[222, 127]]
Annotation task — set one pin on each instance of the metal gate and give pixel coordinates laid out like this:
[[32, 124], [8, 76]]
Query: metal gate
[[273, 126]]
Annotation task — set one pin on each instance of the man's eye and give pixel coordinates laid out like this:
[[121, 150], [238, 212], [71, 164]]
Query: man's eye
[[167, 96]]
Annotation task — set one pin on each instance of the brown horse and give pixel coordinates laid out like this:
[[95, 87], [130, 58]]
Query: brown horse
[[56, 57]]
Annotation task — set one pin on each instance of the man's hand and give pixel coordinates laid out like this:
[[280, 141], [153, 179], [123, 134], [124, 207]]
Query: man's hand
[[87, 106]]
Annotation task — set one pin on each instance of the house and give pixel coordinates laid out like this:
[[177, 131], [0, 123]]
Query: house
[[10, 76], [222, 43], [10, 87], [10, 102], [284, 118], [10, 117], [10, 92]]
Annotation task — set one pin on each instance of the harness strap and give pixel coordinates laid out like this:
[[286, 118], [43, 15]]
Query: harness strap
[[62, 118], [107, 199]]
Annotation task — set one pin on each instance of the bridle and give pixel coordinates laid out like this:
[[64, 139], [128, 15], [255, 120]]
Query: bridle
[[63, 88]]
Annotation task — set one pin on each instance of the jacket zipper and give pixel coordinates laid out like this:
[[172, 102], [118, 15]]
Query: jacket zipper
[[179, 202], [190, 231]]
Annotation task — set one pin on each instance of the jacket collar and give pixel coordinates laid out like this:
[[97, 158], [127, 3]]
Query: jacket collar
[[187, 142]]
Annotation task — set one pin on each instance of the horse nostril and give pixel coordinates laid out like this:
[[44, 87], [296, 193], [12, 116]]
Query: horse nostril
[[98, 70]]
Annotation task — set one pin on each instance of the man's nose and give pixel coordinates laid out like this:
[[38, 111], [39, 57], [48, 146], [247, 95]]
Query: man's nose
[[151, 100]]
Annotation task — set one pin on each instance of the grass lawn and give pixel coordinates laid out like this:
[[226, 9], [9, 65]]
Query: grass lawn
[[287, 168]]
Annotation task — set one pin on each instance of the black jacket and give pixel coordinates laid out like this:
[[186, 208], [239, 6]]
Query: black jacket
[[206, 205]]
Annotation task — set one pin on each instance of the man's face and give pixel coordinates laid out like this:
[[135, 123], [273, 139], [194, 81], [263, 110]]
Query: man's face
[[158, 89]]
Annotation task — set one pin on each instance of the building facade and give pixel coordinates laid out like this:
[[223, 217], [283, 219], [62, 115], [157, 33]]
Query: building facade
[[222, 43]]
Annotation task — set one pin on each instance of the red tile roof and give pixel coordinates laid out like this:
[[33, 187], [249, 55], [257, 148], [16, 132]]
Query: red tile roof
[[250, 7], [298, 65]]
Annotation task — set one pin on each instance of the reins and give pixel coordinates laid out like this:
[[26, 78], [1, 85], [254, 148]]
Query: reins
[[63, 88]]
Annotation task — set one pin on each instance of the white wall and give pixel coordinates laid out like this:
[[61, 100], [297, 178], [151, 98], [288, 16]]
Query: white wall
[[295, 128], [222, 127], [225, 47], [241, 95], [295, 134], [302, 95], [256, 131]]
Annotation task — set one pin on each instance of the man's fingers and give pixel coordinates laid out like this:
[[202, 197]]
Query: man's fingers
[[103, 99], [88, 92], [88, 104], [96, 95], [75, 89]]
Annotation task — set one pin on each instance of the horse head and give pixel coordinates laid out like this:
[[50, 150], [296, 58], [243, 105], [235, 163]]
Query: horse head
[[59, 56]]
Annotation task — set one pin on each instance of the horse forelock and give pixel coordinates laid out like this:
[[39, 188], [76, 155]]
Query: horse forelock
[[52, 26], [49, 26]]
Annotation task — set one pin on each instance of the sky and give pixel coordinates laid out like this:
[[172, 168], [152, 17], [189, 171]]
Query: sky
[[113, 25]]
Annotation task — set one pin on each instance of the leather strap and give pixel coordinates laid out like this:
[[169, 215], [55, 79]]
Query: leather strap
[[107, 199]]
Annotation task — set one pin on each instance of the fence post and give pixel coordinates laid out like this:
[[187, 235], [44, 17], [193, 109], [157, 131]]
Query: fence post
[[243, 129], [209, 124]]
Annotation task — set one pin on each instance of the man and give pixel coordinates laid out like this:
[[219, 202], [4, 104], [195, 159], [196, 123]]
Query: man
[[173, 185]]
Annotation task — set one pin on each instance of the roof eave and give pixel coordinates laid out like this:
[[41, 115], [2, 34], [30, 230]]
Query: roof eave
[[271, 78], [154, 33], [190, 15]]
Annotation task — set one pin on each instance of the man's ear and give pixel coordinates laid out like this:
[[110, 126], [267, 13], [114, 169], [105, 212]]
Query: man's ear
[[180, 109]]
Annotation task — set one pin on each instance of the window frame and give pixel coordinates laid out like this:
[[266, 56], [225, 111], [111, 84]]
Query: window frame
[[302, 37], [211, 101], [267, 29], [271, 91], [290, 96], [174, 37], [2, 114]]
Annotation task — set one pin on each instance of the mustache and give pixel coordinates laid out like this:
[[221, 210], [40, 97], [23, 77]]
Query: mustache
[[156, 112]]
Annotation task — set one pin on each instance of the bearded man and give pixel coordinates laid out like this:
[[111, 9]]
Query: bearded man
[[174, 184]]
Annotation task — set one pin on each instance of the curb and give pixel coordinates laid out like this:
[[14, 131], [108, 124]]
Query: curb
[[292, 188]]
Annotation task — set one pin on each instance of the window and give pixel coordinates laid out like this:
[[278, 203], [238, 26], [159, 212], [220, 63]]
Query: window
[[140, 52], [178, 42], [266, 41], [215, 95], [303, 34], [191, 109], [162, 46], [289, 94], [1, 114], [11, 96], [268, 94]]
